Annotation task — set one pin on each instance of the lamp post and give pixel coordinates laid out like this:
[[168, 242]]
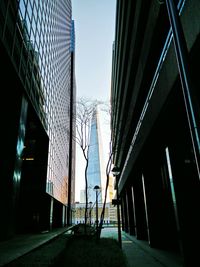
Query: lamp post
[[115, 171], [96, 188]]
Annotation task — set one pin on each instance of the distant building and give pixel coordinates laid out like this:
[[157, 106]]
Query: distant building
[[110, 215], [111, 191], [82, 196], [95, 171]]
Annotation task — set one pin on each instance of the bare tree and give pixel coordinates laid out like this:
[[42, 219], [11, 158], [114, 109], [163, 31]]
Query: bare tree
[[84, 111], [106, 108]]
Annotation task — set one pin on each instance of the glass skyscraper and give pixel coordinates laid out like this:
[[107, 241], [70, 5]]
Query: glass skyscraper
[[37, 173], [95, 160]]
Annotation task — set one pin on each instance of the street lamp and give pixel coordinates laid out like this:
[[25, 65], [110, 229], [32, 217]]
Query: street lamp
[[96, 188], [116, 171]]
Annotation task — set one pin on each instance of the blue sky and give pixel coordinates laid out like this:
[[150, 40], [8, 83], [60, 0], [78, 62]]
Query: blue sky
[[94, 36], [94, 31]]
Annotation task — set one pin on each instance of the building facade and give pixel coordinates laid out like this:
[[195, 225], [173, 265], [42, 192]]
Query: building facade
[[37, 169], [110, 213], [155, 122], [95, 170]]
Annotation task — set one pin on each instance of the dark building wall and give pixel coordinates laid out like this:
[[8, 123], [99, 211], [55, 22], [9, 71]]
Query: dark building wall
[[35, 115], [155, 123], [23, 182], [10, 110]]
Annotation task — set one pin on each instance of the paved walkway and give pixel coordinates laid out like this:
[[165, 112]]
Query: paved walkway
[[138, 253], [23, 244]]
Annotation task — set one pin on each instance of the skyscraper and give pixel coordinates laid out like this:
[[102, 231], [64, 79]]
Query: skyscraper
[[95, 169], [37, 169]]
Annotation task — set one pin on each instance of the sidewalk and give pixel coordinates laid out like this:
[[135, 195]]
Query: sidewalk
[[138, 253], [20, 245]]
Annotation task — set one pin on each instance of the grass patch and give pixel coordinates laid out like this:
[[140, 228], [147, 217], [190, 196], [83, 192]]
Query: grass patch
[[90, 253]]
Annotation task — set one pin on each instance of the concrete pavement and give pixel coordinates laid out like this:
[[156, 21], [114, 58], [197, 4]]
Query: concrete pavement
[[21, 245], [138, 253]]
